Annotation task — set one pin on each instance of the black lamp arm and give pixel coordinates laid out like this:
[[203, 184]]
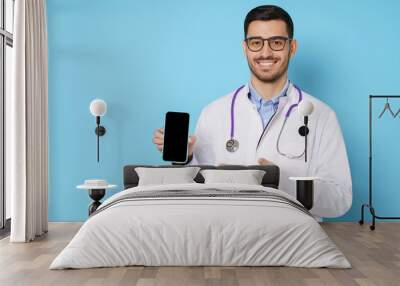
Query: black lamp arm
[[100, 131], [305, 137]]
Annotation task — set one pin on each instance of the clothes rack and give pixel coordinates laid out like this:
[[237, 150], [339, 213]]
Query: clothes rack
[[370, 201]]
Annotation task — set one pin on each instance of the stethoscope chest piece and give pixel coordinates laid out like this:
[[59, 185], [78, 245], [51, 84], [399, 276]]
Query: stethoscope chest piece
[[232, 145]]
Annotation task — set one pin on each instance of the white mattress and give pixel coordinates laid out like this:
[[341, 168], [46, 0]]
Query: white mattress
[[200, 231]]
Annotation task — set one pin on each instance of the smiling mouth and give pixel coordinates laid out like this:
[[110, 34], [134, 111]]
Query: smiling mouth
[[266, 63]]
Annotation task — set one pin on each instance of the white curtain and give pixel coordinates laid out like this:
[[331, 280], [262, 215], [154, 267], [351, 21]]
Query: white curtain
[[27, 127]]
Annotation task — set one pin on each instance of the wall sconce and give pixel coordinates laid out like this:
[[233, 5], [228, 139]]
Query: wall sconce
[[98, 108]]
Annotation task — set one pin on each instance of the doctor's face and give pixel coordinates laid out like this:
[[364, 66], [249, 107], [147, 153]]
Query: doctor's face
[[269, 63]]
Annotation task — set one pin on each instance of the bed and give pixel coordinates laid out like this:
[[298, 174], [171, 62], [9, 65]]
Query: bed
[[201, 224]]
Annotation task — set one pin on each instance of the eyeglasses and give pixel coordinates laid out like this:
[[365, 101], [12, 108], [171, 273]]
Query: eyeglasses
[[276, 43]]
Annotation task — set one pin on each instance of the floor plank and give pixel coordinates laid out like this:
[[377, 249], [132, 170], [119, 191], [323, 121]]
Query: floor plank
[[374, 255]]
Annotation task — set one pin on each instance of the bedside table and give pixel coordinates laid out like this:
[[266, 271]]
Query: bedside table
[[97, 190]]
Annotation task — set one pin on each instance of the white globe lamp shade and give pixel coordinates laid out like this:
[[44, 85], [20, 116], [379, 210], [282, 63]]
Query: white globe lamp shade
[[98, 107], [305, 107]]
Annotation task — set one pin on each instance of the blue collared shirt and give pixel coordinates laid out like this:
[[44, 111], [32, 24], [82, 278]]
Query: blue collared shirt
[[266, 108]]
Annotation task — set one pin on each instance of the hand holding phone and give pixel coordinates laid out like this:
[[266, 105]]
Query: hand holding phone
[[158, 140]]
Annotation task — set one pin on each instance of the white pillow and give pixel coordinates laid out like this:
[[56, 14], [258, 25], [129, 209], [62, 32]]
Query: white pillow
[[248, 177], [163, 176]]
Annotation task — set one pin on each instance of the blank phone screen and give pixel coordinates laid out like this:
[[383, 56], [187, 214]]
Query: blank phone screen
[[176, 132]]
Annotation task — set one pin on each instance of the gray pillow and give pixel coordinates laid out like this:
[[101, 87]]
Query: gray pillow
[[164, 176], [248, 177]]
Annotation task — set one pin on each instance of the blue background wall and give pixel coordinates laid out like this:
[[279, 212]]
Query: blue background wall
[[147, 57]]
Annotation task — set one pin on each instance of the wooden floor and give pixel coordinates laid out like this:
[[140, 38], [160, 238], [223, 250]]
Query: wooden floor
[[375, 257]]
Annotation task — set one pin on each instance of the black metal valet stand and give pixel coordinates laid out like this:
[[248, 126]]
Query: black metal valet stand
[[370, 205]]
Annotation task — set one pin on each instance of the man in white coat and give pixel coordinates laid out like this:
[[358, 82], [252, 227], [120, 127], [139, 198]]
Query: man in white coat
[[262, 118]]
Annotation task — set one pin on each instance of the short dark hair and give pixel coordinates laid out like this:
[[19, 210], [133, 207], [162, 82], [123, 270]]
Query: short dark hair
[[268, 13]]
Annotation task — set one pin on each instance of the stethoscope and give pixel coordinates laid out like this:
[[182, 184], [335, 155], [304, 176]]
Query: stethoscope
[[232, 145]]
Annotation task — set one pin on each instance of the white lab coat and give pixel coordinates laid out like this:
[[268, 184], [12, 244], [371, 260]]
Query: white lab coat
[[327, 157]]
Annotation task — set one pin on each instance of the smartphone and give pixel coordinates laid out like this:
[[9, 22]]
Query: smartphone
[[176, 134]]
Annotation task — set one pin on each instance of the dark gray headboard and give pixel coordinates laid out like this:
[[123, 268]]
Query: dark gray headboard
[[270, 179]]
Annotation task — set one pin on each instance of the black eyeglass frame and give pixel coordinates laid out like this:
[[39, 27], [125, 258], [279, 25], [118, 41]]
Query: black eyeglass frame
[[269, 40]]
